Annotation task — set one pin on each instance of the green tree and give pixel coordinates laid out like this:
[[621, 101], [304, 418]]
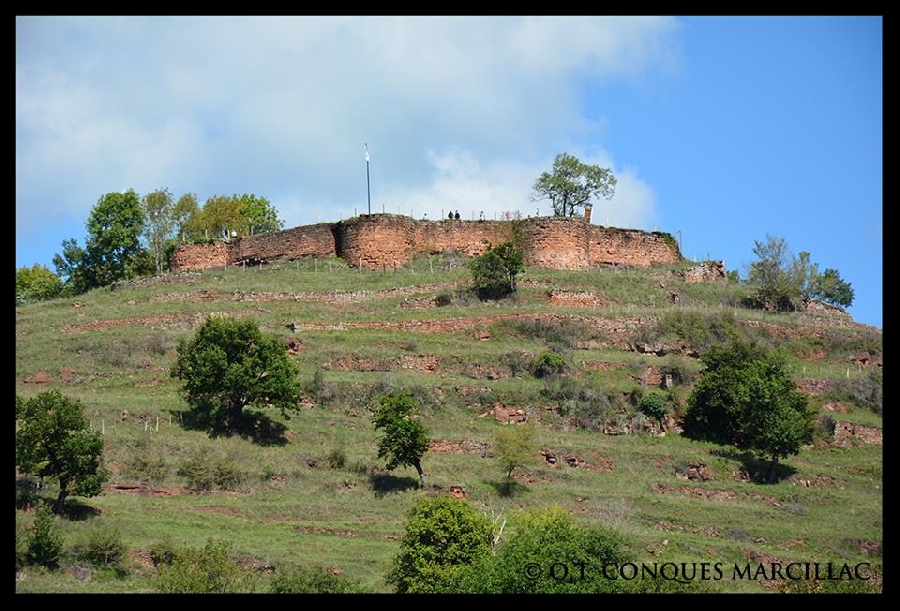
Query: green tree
[[186, 216], [831, 288], [37, 283], [404, 439], [746, 399], [221, 215], [547, 553], [52, 440], [113, 248], [442, 535], [770, 275], [515, 446], [573, 184], [494, 272], [159, 211], [230, 365], [260, 216]]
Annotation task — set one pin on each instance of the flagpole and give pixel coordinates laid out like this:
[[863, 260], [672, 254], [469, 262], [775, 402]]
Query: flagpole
[[368, 190]]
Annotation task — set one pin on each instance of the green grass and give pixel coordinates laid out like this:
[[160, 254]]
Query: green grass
[[292, 508]]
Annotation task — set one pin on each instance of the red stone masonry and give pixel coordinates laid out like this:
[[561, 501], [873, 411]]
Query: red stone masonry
[[385, 240]]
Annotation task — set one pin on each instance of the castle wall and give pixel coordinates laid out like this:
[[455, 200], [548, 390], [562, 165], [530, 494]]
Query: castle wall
[[204, 256], [295, 243], [632, 247], [383, 241]]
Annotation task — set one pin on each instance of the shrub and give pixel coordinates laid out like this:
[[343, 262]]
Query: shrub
[[442, 535], [655, 404], [337, 458], [204, 471], [549, 365], [46, 541], [100, 546], [313, 581], [205, 571]]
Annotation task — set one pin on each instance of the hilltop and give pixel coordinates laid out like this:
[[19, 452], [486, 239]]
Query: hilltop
[[318, 496]]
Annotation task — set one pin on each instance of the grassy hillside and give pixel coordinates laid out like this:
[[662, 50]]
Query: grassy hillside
[[318, 496]]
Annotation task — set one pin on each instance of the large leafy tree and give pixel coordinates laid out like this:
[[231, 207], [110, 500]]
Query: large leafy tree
[[113, 249], [746, 399], [229, 366], [572, 184], [831, 288], [404, 438], [159, 210], [259, 215], [221, 215], [37, 283], [494, 272], [186, 216], [784, 281], [443, 534], [53, 440]]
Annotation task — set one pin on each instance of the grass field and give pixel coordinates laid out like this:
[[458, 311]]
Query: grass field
[[359, 333]]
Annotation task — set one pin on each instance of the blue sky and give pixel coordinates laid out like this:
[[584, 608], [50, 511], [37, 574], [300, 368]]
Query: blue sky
[[720, 130]]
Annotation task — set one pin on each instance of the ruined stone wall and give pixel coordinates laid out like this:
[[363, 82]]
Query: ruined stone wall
[[612, 246], [555, 243], [468, 238], [377, 241], [296, 243], [385, 240], [204, 256]]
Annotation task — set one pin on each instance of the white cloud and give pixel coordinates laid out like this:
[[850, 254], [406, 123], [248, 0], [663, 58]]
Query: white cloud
[[457, 111]]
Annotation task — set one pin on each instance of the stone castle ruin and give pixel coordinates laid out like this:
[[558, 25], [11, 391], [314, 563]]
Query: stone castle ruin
[[384, 241]]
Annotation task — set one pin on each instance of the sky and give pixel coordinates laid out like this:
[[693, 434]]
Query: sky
[[722, 131]]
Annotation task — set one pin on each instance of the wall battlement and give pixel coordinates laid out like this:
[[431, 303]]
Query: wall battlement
[[377, 241]]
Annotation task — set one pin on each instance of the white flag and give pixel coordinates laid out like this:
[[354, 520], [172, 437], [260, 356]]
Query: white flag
[[367, 153]]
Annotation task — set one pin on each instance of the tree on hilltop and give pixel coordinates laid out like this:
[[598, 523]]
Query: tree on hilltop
[[573, 184]]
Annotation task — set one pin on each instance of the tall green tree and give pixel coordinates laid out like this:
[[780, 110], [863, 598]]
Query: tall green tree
[[186, 215], [259, 215], [785, 282], [494, 272], [228, 366], [404, 438], [159, 211], [745, 398], [572, 184], [53, 440], [37, 283], [515, 446], [221, 215], [442, 535], [831, 288], [113, 248]]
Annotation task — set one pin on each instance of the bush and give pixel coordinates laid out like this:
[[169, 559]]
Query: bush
[[442, 535], [541, 539], [337, 458], [549, 365], [204, 471], [206, 571], [46, 541], [655, 404], [147, 463], [100, 546], [164, 551], [494, 273], [313, 581]]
